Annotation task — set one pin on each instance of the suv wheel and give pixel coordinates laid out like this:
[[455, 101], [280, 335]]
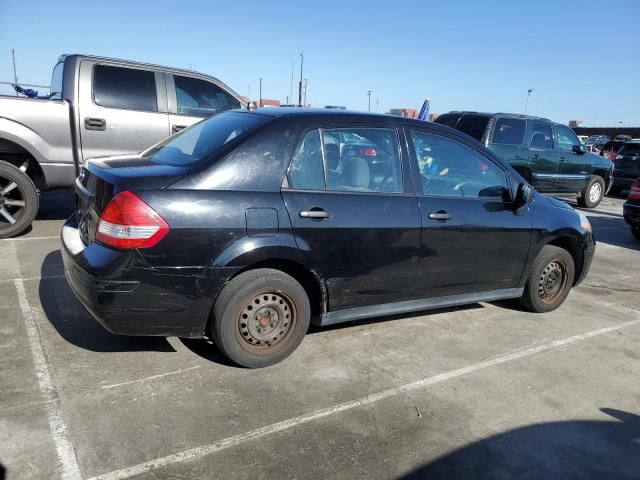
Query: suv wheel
[[550, 280], [260, 317], [592, 195], [18, 200]]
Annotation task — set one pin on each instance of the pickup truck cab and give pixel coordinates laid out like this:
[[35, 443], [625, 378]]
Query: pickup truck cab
[[548, 154], [97, 106]]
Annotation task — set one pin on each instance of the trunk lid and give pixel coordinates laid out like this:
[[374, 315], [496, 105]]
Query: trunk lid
[[102, 178]]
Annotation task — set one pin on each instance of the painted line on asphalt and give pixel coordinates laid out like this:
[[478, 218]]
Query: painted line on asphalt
[[204, 450], [152, 377], [70, 470]]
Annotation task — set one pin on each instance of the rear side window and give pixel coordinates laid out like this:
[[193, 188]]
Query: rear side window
[[55, 92], [473, 125], [200, 98], [542, 137], [306, 171], [127, 88], [509, 131]]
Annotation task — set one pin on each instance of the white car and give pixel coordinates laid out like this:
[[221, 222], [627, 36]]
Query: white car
[[583, 138]]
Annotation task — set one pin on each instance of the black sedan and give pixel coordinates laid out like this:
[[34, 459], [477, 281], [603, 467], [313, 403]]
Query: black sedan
[[249, 225]]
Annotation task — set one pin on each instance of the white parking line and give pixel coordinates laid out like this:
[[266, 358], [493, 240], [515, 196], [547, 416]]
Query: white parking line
[[204, 450], [152, 377], [70, 470]]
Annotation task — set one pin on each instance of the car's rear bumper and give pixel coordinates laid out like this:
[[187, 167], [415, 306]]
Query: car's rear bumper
[[129, 297], [631, 212]]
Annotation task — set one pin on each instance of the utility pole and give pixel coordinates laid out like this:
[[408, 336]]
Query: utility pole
[[304, 96], [529, 92], [260, 92], [15, 75], [300, 83], [369, 95]]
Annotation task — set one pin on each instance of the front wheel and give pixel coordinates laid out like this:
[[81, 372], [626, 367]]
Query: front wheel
[[18, 200], [260, 317], [550, 280], [593, 193]]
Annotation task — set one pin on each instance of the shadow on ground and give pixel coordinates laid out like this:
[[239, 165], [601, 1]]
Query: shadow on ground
[[74, 323], [563, 450]]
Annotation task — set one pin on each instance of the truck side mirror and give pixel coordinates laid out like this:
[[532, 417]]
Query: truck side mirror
[[579, 149]]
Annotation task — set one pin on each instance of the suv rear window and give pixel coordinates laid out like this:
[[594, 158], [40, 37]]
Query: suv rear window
[[473, 125], [204, 138], [509, 131], [630, 149], [448, 119], [127, 88]]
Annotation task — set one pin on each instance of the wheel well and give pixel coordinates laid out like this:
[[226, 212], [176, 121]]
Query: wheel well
[[14, 154], [570, 245], [311, 282], [604, 174]]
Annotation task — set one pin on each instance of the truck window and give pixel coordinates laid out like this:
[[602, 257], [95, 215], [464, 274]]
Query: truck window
[[127, 88], [200, 98], [473, 125], [509, 131], [542, 136], [448, 119], [55, 91], [566, 138]]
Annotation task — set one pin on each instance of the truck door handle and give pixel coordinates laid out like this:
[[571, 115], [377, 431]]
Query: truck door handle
[[535, 156], [314, 213], [99, 124], [562, 159], [177, 128], [440, 215]]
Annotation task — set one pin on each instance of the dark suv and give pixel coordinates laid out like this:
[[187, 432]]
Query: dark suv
[[548, 154], [249, 225], [626, 166]]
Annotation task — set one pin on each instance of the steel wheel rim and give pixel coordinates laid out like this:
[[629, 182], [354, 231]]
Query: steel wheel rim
[[595, 192], [552, 281], [266, 321], [12, 202]]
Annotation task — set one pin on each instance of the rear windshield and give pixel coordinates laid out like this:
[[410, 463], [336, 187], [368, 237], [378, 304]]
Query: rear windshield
[[204, 138], [473, 125], [448, 119], [630, 149]]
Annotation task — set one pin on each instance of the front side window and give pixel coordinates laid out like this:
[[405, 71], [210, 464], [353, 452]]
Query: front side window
[[348, 160], [55, 92], [542, 137], [127, 88], [566, 138], [451, 169], [200, 98], [509, 131]]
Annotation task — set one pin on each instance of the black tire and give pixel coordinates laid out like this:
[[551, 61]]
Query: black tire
[[18, 200], [549, 281], [635, 231], [260, 317], [593, 193]]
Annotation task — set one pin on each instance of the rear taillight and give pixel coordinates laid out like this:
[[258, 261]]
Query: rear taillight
[[614, 156], [128, 222], [634, 193], [368, 152]]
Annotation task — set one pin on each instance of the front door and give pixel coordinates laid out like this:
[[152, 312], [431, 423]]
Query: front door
[[352, 216], [122, 110], [574, 169], [543, 158], [471, 240]]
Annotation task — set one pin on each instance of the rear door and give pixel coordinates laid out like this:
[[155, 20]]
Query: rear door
[[574, 169], [542, 155], [349, 199], [192, 99], [122, 109], [471, 240]]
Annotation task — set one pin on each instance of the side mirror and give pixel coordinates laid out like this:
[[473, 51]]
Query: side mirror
[[524, 195], [579, 149]]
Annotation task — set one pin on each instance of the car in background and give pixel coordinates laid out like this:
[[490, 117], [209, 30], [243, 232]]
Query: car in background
[[583, 138], [626, 166], [631, 209], [279, 235], [622, 138], [548, 154], [598, 139], [609, 148]]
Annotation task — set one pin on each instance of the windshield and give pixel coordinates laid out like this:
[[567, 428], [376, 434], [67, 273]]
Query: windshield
[[204, 138]]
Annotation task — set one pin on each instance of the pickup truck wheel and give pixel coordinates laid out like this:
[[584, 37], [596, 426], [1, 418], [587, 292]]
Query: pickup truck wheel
[[592, 195], [260, 317], [549, 281], [18, 200]]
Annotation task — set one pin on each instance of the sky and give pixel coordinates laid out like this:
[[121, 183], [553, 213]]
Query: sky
[[580, 57]]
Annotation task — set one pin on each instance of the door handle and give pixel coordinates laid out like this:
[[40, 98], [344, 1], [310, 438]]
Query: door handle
[[562, 159], [99, 124], [535, 156], [177, 128], [440, 215], [314, 213]]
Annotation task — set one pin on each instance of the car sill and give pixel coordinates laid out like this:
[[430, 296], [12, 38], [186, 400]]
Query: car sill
[[360, 313]]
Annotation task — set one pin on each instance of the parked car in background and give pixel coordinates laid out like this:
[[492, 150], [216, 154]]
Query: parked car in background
[[583, 138], [622, 138], [626, 166], [281, 231], [97, 106], [598, 139], [547, 154], [631, 209], [610, 148]]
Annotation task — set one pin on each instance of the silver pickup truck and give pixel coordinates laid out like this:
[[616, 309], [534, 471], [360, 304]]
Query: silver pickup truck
[[97, 106]]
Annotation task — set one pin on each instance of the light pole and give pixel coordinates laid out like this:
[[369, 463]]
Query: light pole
[[369, 95], [300, 84], [529, 92]]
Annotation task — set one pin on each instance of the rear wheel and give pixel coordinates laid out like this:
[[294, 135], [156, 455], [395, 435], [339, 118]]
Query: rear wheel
[[550, 280], [260, 317], [18, 200], [635, 230], [592, 195]]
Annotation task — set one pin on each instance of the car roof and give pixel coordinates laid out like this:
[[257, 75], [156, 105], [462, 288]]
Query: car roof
[[502, 114]]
